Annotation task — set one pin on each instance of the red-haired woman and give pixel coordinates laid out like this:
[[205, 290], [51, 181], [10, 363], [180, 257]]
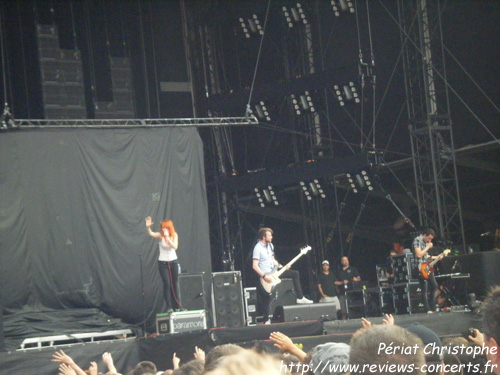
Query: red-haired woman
[[168, 241]]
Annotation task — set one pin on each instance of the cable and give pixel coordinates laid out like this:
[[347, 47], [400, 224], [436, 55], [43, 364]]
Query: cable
[[374, 91], [154, 59], [145, 66], [4, 57], [258, 57], [88, 29], [24, 60]]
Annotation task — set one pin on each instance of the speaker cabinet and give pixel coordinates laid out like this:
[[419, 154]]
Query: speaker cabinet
[[284, 295], [191, 290], [317, 311], [227, 299]]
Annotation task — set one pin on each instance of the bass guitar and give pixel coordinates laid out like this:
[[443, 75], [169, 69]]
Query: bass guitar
[[427, 268], [275, 274]]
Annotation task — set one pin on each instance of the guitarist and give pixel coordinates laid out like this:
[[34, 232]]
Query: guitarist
[[264, 263], [421, 246]]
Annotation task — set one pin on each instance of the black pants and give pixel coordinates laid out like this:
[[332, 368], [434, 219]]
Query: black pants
[[264, 298], [169, 272], [428, 288]]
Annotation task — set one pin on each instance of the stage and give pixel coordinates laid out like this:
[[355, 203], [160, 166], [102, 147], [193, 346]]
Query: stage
[[160, 348]]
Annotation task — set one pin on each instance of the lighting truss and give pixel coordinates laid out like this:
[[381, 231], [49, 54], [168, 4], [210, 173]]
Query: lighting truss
[[137, 123]]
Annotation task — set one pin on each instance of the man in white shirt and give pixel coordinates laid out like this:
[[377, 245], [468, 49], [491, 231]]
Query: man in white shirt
[[264, 263]]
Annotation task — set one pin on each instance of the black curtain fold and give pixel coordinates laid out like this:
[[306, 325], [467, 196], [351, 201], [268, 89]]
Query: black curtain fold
[[72, 209]]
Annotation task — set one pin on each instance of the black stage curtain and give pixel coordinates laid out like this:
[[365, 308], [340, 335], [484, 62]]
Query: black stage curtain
[[72, 209]]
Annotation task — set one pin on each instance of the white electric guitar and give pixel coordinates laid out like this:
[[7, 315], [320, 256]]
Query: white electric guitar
[[275, 274]]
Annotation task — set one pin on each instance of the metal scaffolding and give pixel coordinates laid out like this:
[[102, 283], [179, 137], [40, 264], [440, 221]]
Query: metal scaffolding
[[138, 123], [430, 125]]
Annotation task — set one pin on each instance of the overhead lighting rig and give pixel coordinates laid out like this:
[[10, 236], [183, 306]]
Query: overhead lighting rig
[[360, 181], [347, 92], [295, 15], [302, 102], [266, 196], [260, 109], [312, 189], [342, 6], [251, 26]]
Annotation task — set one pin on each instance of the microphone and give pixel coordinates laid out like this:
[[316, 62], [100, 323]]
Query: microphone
[[454, 265]]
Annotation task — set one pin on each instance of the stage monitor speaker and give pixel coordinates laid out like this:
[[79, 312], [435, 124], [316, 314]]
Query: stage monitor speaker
[[191, 290], [284, 295], [317, 311], [227, 299]]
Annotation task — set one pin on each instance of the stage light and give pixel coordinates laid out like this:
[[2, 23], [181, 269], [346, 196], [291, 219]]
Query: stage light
[[312, 189], [262, 111], [348, 93], [251, 26], [360, 180], [266, 196], [294, 15], [295, 104], [342, 5], [303, 102]]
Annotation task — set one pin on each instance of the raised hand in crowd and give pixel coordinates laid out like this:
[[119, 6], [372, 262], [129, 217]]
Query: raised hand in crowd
[[285, 343], [108, 361], [64, 369], [477, 338], [63, 358], [93, 369], [199, 354], [366, 323], [388, 320], [176, 361]]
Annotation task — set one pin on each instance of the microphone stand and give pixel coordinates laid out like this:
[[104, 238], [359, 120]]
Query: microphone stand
[[349, 237], [407, 220], [337, 219]]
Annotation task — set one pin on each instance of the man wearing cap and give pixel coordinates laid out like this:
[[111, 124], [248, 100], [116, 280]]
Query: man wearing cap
[[326, 285]]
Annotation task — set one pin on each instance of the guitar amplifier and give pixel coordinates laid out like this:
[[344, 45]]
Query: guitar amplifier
[[251, 312], [183, 321], [408, 298], [405, 268]]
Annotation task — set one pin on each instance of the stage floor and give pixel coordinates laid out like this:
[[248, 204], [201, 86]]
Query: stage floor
[[160, 348]]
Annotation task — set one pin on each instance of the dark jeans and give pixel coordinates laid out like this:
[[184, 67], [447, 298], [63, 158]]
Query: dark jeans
[[264, 299], [169, 272], [428, 288]]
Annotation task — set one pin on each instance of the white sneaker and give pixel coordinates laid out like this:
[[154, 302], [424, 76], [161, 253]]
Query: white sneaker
[[268, 321], [304, 300]]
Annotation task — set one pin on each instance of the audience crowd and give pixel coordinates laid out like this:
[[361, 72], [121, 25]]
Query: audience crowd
[[374, 349]]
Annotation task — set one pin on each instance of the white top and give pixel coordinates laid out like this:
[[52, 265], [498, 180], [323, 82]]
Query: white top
[[167, 252], [265, 255]]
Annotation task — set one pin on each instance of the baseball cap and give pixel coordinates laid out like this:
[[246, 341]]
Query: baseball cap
[[331, 353], [325, 262]]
